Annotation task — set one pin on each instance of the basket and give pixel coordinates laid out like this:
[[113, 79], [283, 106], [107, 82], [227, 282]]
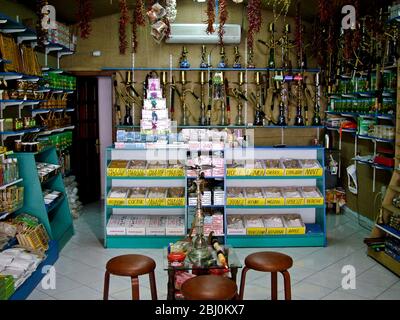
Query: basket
[[35, 238]]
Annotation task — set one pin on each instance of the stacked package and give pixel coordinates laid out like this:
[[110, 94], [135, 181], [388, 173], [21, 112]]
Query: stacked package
[[71, 189], [155, 119], [18, 263]]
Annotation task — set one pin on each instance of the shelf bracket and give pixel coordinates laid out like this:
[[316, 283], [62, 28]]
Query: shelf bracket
[[26, 38], [60, 55]]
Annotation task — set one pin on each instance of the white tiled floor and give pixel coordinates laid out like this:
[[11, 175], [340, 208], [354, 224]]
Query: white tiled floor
[[316, 273]]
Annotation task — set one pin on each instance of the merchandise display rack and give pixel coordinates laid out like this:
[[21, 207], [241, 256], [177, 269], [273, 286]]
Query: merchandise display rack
[[58, 224], [313, 215]]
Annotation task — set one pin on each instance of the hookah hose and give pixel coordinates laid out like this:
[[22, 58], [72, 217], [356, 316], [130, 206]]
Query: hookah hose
[[220, 253]]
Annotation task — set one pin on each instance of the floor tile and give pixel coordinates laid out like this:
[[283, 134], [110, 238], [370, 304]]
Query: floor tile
[[390, 294], [81, 293], [310, 291], [62, 284], [66, 265], [340, 295], [382, 278], [326, 279], [144, 294], [39, 295]]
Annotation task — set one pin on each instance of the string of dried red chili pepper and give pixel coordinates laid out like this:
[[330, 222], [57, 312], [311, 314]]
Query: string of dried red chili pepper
[[210, 16], [84, 15], [255, 20], [123, 22], [223, 17]]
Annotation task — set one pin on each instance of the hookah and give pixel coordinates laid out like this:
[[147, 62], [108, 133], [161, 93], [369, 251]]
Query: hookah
[[203, 63], [239, 95], [202, 120], [236, 63], [200, 252]]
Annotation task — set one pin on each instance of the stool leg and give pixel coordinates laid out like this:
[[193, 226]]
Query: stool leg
[[288, 290], [135, 288], [153, 287], [274, 286], [106, 285], [242, 282]]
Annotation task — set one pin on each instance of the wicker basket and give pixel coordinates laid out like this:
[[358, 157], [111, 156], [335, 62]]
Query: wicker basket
[[35, 238]]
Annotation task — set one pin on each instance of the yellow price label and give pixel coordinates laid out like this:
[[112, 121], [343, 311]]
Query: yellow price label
[[294, 172], [299, 230], [116, 201], [156, 202], [116, 172], [274, 172], [313, 172], [314, 201], [275, 201], [235, 201], [175, 202], [256, 231], [136, 202], [255, 172], [295, 201], [158, 172], [255, 202], [234, 172], [135, 172], [276, 231]]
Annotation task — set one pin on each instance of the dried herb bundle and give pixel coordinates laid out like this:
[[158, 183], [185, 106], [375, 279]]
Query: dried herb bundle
[[123, 22], [255, 20], [210, 16], [85, 11]]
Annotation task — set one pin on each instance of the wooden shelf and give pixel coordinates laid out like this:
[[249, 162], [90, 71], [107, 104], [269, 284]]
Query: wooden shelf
[[386, 260]]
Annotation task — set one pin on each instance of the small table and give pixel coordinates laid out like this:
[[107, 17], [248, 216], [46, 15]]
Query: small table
[[187, 265]]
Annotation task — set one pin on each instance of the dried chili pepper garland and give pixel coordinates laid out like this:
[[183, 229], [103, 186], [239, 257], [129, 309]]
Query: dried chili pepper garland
[[210, 16], [84, 14], [137, 20], [255, 20], [223, 17], [123, 22]]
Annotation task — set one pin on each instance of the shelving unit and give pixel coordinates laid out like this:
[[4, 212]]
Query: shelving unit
[[381, 228], [312, 215], [59, 224], [136, 181]]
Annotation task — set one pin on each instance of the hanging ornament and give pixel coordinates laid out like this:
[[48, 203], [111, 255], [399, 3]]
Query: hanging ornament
[[84, 15], [255, 20], [210, 16], [123, 22], [223, 17]]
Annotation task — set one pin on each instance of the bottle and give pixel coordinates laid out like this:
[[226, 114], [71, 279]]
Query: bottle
[[128, 121]]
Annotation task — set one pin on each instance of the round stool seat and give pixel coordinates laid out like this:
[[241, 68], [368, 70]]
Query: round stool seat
[[130, 265], [209, 287], [268, 261]]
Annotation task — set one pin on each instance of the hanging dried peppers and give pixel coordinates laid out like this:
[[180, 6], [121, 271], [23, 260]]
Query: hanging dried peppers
[[255, 21], [84, 15], [123, 22], [210, 16], [223, 17], [138, 19]]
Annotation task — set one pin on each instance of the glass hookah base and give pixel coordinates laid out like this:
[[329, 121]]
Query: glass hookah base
[[199, 256]]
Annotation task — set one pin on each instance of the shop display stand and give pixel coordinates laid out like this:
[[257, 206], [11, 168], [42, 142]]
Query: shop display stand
[[57, 219], [314, 216], [139, 241], [381, 228]]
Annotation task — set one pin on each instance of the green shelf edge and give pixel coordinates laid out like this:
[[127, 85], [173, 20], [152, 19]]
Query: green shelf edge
[[276, 207], [314, 240], [145, 242], [145, 207], [146, 178]]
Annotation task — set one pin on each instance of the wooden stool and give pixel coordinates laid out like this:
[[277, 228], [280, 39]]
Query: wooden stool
[[272, 262], [209, 287], [131, 265]]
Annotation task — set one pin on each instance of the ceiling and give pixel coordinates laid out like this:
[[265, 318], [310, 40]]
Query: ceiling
[[67, 13]]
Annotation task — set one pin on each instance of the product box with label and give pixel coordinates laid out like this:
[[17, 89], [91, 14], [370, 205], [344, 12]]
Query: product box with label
[[136, 226], [235, 197], [274, 225], [235, 225], [254, 226], [117, 168], [117, 196], [176, 197], [175, 226], [294, 224], [155, 115], [293, 196], [155, 226], [312, 196], [311, 168], [136, 197], [255, 197], [158, 104], [156, 196], [255, 169], [273, 197], [116, 225], [219, 197], [292, 167], [274, 168]]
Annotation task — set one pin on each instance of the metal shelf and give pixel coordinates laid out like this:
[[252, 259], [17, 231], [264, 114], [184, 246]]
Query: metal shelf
[[363, 115], [146, 178], [392, 231], [3, 187], [48, 132], [273, 177], [145, 207], [277, 207], [19, 133], [375, 138], [311, 70]]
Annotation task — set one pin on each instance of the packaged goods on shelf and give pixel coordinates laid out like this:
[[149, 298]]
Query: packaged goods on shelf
[[235, 196], [312, 196], [117, 168], [156, 196], [8, 231], [136, 197], [273, 167], [9, 171], [11, 199], [155, 226], [395, 221], [218, 196], [254, 197], [292, 196], [205, 199], [175, 226], [292, 167], [175, 169], [71, 190], [158, 104], [294, 224], [51, 197], [311, 167], [136, 168], [235, 225], [136, 225], [213, 222], [255, 168], [392, 247], [155, 115], [47, 170], [218, 164], [117, 196], [116, 225], [156, 168], [254, 225], [274, 224], [236, 168], [273, 196], [19, 263], [176, 196]]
